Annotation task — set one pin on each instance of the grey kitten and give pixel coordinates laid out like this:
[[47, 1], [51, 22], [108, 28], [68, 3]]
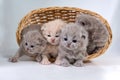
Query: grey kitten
[[98, 34], [31, 45], [73, 45]]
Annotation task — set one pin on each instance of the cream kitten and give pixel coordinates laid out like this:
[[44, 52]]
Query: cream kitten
[[73, 45], [31, 45], [51, 31], [98, 34]]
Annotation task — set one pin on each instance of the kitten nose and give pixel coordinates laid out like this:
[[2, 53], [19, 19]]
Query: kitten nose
[[27, 48], [68, 45], [53, 40]]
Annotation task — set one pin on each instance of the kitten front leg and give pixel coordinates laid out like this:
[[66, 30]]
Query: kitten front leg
[[58, 60], [78, 63], [45, 60], [38, 58], [16, 56], [61, 58], [80, 58], [96, 49]]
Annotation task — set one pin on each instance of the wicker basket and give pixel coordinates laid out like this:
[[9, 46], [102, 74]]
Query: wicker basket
[[68, 14]]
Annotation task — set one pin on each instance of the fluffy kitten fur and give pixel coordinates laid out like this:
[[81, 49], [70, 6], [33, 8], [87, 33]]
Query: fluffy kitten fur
[[73, 45], [98, 34], [51, 31], [32, 43]]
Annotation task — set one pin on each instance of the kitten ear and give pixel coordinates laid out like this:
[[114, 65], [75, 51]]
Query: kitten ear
[[43, 41], [78, 16], [81, 19], [83, 36], [43, 27], [23, 36]]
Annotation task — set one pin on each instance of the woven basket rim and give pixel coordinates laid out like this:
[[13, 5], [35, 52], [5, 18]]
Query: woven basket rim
[[94, 55]]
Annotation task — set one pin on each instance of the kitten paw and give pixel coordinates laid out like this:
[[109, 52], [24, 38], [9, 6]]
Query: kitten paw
[[38, 59], [65, 64], [62, 62], [57, 62], [45, 62], [78, 64], [13, 59]]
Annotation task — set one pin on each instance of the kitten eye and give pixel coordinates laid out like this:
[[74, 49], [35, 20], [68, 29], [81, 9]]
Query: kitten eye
[[49, 35], [74, 41], [65, 39], [57, 36], [26, 44], [82, 23], [83, 36], [31, 46]]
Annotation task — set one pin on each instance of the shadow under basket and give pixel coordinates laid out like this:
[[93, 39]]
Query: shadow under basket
[[68, 14]]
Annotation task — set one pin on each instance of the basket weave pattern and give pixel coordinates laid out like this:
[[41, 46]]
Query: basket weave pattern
[[67, 14]]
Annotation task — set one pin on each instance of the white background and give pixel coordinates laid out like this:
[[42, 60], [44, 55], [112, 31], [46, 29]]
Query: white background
[[105, 67]]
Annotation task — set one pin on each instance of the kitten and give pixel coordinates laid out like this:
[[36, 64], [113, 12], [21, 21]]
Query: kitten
[[51, 31], [73, 45], [32, 43], [98, 34]]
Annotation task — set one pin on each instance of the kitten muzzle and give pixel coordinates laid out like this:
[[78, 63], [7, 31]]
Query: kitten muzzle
[[68, 45], [53, 40]]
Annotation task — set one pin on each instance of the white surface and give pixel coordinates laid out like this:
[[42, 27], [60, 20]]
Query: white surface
[[105, 67], [98, 69]]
